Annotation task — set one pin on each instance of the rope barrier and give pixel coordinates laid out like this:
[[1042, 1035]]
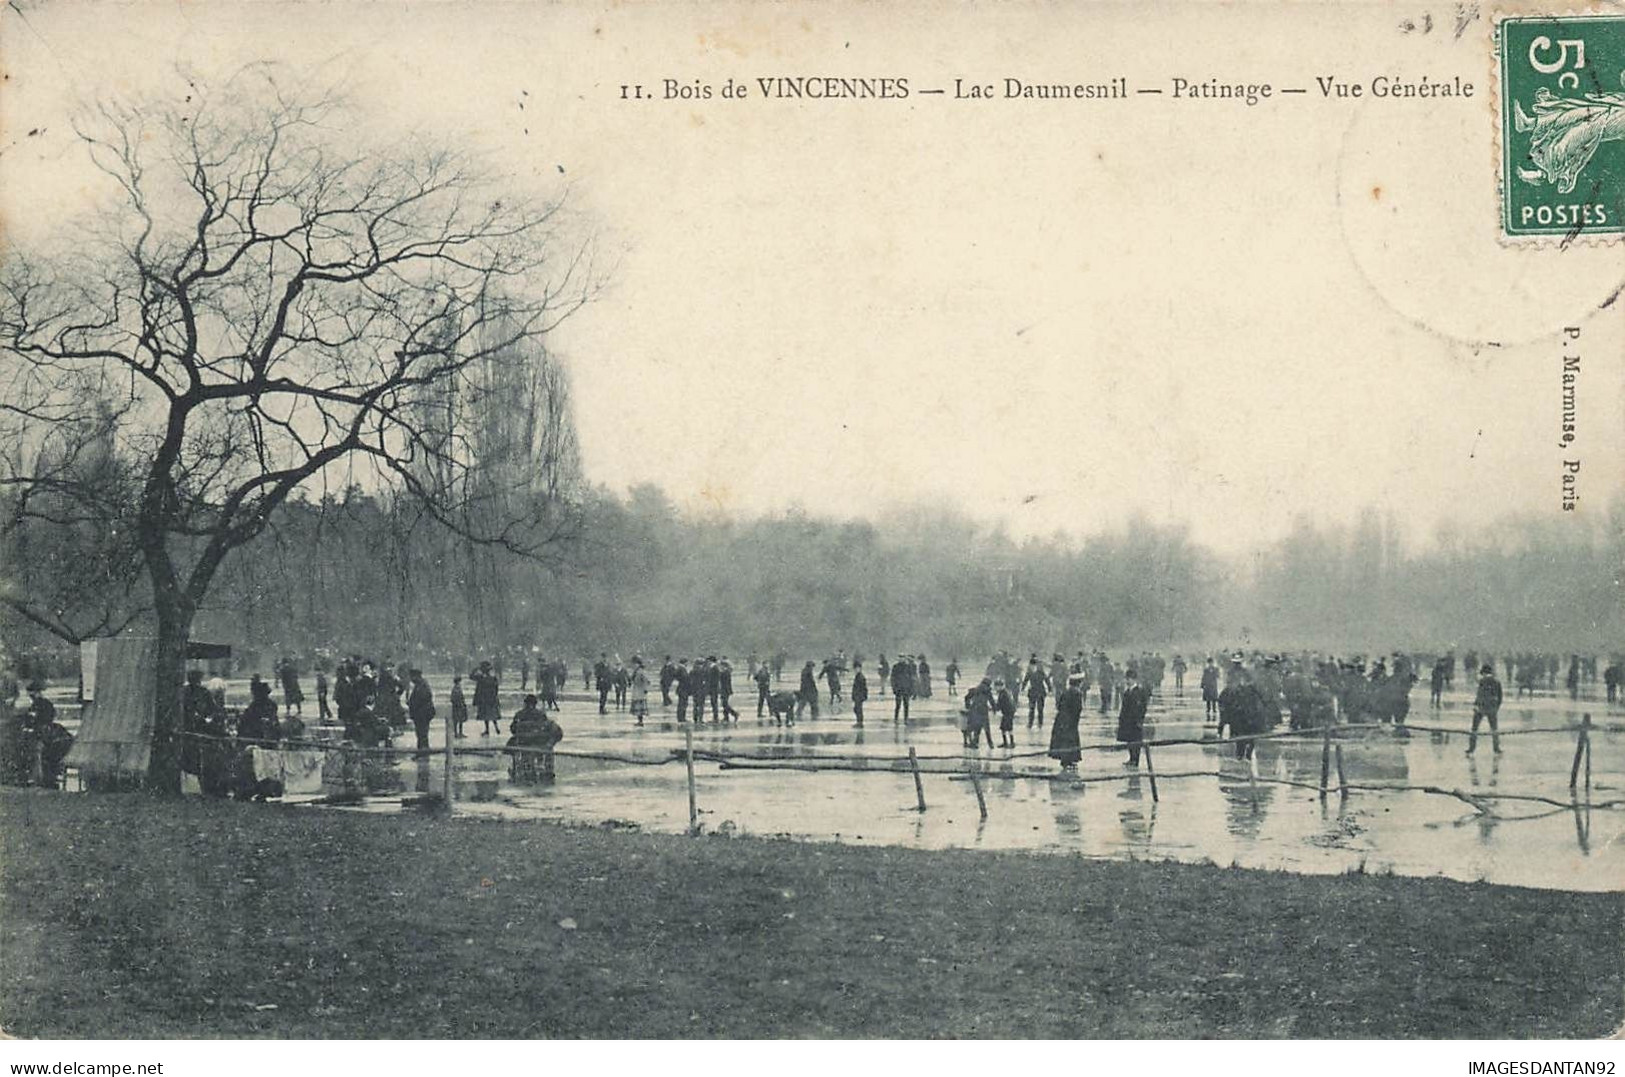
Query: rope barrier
[[974, 767]]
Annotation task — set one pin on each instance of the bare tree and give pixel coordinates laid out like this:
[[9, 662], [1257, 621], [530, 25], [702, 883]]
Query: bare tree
[[271, 298]]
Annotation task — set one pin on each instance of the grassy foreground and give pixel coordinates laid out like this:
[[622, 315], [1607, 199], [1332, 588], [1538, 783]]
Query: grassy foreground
[[130, 917]]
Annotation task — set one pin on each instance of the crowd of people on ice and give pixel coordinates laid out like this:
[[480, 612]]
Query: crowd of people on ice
[[367, 703]]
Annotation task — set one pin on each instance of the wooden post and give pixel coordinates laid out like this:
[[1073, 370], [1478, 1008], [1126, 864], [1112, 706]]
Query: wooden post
[[1325, 761], [1150, 771], [1585, 731], [451, 763], [688, 757], [1342, 782], [1579, 750], [919, 787], [976, 783]]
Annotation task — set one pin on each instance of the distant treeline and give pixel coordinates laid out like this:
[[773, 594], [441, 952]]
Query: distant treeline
[[634, 572], [361, 572]]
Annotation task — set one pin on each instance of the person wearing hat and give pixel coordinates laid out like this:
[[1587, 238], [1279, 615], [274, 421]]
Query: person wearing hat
[[420, 707], [1106, 675], [1064, 746], [1210, 690], [699, 687], [1005, 703], [710, 687], [36, 730], [534, 734], [1037, 683], [902, 687], [978, 705], [860, 691], [681, 681], [459, 706], [832, 676], [668, 676], [603, 679], [257, 724], [486, 707], [808, 695], [1486, 705], [1131, 715], [725, 685], [639, 690], [197, 720], [764, 687], [951, 675], [1058, 673], [621, 680], [293, 697], [1241, 708]]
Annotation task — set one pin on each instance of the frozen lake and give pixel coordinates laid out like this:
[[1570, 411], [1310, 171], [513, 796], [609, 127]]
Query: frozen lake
[[1218, 816]]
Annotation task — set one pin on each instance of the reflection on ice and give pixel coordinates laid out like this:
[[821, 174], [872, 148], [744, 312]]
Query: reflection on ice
[[1224, 814]]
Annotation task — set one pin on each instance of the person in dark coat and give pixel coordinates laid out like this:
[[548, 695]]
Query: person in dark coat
[[420, 707], [668, 674], [534, 735], [1063, 735], [832, 676], [782, 706], [387, 702], [902, 688], [680, 681], [256, 728], [1486, 705], [1210, 690], [1052, 683], [1131, 715], [860, 692], [197, 720], [459, 706], [293, 697], [764, 687], [42, 732], [922, 684], [1005, 704], [951, 674], [323, 713], [486, 706], [1037, 683], [700, 688], [808, 695], [1241, 708], [725, 688], [1108, 684], [603, 680], [978, 711], [257, 725]]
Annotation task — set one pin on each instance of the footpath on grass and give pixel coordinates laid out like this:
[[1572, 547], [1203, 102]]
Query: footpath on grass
[[125, 916]]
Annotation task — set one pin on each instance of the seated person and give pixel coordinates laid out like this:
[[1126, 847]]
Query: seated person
[[531, 728]]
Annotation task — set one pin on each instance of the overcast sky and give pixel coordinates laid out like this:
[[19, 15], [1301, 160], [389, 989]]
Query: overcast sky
[[1053, 314]]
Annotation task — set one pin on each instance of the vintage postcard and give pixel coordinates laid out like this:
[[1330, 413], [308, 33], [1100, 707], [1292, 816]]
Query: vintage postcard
[[819, 520]]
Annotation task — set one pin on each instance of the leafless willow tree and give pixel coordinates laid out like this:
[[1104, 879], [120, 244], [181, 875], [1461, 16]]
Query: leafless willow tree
[[264, 298]]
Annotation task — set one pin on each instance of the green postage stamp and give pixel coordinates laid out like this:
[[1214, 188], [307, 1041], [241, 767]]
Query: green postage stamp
[[1562, 125]]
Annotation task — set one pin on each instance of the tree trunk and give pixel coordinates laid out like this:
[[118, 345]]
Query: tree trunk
[[169, 675]]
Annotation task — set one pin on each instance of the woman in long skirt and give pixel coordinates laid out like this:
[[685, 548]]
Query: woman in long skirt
[[1063, 736]]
